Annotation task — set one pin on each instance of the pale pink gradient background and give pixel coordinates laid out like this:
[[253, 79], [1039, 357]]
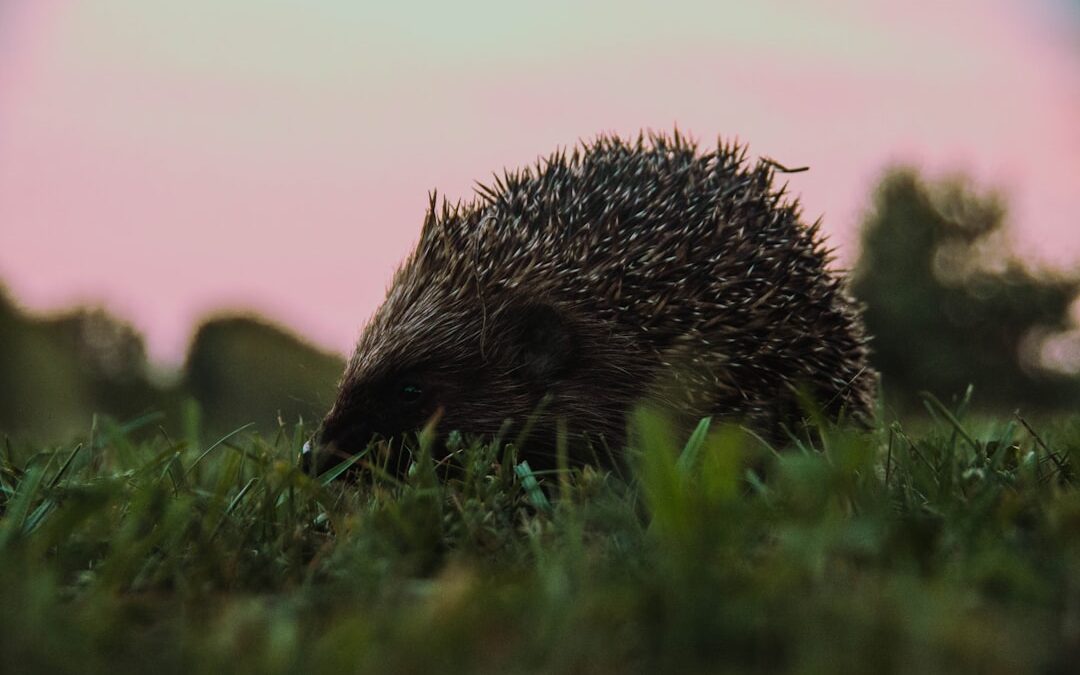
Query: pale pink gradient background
[[170, 159]]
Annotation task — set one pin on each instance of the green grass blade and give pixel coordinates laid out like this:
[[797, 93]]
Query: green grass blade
[[218, 443], [532, 487], [688, 458], [11, 523]]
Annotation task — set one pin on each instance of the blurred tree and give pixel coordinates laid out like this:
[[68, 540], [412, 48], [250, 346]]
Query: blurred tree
[[241, 369], [948, 304]]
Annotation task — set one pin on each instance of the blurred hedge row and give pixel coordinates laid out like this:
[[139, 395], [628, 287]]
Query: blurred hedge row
[[947, 300], [57, 372]]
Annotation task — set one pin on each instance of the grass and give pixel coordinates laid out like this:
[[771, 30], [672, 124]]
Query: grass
[[956, 549]]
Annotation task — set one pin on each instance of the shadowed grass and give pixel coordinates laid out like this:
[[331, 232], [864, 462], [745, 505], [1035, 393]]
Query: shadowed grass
[[954, 549]]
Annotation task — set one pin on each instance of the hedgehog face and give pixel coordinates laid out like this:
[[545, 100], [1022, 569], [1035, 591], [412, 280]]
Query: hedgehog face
[[380, 406], [471, 372]]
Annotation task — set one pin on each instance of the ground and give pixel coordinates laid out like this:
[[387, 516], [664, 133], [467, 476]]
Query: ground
[[947, 545]]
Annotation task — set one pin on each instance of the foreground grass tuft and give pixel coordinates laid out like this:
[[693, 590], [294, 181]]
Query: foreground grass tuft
[[956, 548]]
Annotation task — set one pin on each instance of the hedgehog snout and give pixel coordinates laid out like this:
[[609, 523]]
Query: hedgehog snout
[[316, 458], [338, 437]]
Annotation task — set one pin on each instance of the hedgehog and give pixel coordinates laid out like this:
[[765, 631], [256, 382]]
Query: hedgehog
[[606, 276]]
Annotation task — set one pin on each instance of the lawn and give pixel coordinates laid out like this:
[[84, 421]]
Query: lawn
[[953, 546]]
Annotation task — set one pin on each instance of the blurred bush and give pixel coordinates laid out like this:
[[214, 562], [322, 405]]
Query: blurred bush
[[58, 372], [242, 369], [949, 304]]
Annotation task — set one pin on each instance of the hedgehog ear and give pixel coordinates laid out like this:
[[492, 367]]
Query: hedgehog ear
[[544, 343]]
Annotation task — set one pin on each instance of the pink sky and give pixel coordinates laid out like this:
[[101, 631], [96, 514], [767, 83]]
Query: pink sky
[[172, 159]]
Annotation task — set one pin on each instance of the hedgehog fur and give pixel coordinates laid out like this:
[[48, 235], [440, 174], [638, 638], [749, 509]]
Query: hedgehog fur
[[615, 273]]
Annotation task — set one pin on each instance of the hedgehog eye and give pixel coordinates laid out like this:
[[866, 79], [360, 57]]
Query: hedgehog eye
[[410, 392]]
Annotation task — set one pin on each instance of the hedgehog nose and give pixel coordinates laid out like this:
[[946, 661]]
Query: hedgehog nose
[[318, 456], [307, 458]]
